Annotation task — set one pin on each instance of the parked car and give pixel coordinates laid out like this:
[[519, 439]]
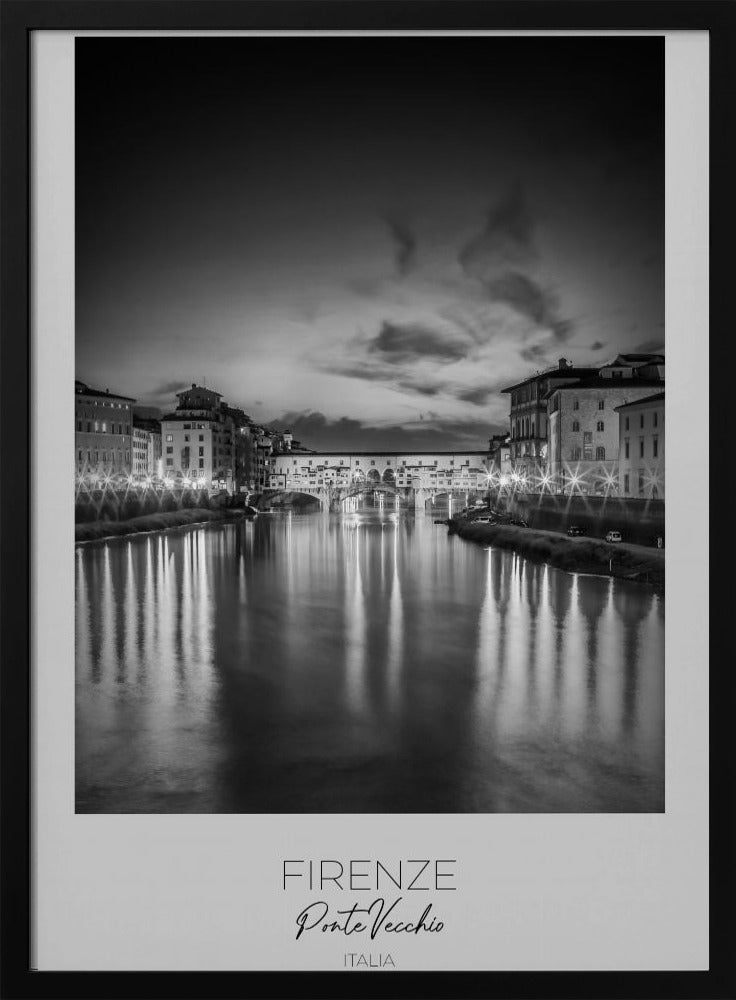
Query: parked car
[[613, 536], [574, 531]]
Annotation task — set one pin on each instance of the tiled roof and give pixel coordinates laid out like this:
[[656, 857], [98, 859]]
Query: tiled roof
[[656, 398]]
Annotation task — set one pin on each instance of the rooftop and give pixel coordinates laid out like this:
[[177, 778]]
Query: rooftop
[[554, 371], [608, 385], [656, 398], [80, 389]]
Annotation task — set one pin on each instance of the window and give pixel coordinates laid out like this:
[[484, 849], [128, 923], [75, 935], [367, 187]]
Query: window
[[201, 452], [575, 454], [201, 437], [641, 447], [310, 460], [587, 445], [641, 481], [97, 426], [201, 463], [576, 425], [600, 426], [626, 423], [373, 462], [626, 482], [600, 454], [655, 447], [655, 416], [169, 461], [170, 450], [435, 461], [169, 437], [357, 461], [576, 404], [79, 425], [601, 404], [186, 437], [187, 427], [626, 448], [641, 420], [342, 461]]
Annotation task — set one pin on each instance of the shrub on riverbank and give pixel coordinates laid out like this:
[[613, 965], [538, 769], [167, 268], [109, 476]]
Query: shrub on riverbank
[[148, 522], [575, 555]]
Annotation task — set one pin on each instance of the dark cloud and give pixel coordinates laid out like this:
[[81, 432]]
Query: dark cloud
[[360, 369], [315, 431], [502, 257], [422, 388], [597, 345], [506, 240], [650, 347], [479, 396], [536, 352], [169, 388], [397, 343], [405, 246]]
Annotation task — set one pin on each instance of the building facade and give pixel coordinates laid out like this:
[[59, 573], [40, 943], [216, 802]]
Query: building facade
[[146, 449], [499, 448], [584, 432], [198, 440], [528, 420], [103, 432], [440, 471], [641, 451]]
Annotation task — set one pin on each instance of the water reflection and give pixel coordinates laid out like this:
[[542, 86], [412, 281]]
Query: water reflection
[[360, 663]]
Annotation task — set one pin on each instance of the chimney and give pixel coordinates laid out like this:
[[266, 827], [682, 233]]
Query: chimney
[[194, 385], [562, 362]]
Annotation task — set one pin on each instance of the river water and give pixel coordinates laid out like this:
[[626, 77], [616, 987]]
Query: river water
[[364, 662]]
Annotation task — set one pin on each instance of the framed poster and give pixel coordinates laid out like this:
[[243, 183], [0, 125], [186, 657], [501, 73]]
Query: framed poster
[[373, 637]]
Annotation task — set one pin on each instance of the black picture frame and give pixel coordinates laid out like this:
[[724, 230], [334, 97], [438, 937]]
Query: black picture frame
[[19, 19]]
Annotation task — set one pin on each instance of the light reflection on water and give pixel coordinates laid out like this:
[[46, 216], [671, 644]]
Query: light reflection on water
[[360, 663]]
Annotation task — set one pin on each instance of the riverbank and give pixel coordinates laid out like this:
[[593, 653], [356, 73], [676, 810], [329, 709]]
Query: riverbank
[[96, 530], [575, 555]]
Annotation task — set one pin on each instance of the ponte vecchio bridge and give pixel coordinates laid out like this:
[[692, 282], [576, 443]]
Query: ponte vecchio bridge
[[416, 477]]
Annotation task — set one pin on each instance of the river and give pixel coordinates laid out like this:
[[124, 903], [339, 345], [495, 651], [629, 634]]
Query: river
[[363, 662]]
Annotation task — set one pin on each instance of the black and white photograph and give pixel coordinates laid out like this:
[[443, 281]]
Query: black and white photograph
[[369, 401]]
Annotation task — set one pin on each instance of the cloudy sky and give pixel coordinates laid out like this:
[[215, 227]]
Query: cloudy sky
[[365, 239]]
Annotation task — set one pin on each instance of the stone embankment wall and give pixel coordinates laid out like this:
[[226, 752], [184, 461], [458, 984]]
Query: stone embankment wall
[[575, 555], [639, 521], [123, 505]]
